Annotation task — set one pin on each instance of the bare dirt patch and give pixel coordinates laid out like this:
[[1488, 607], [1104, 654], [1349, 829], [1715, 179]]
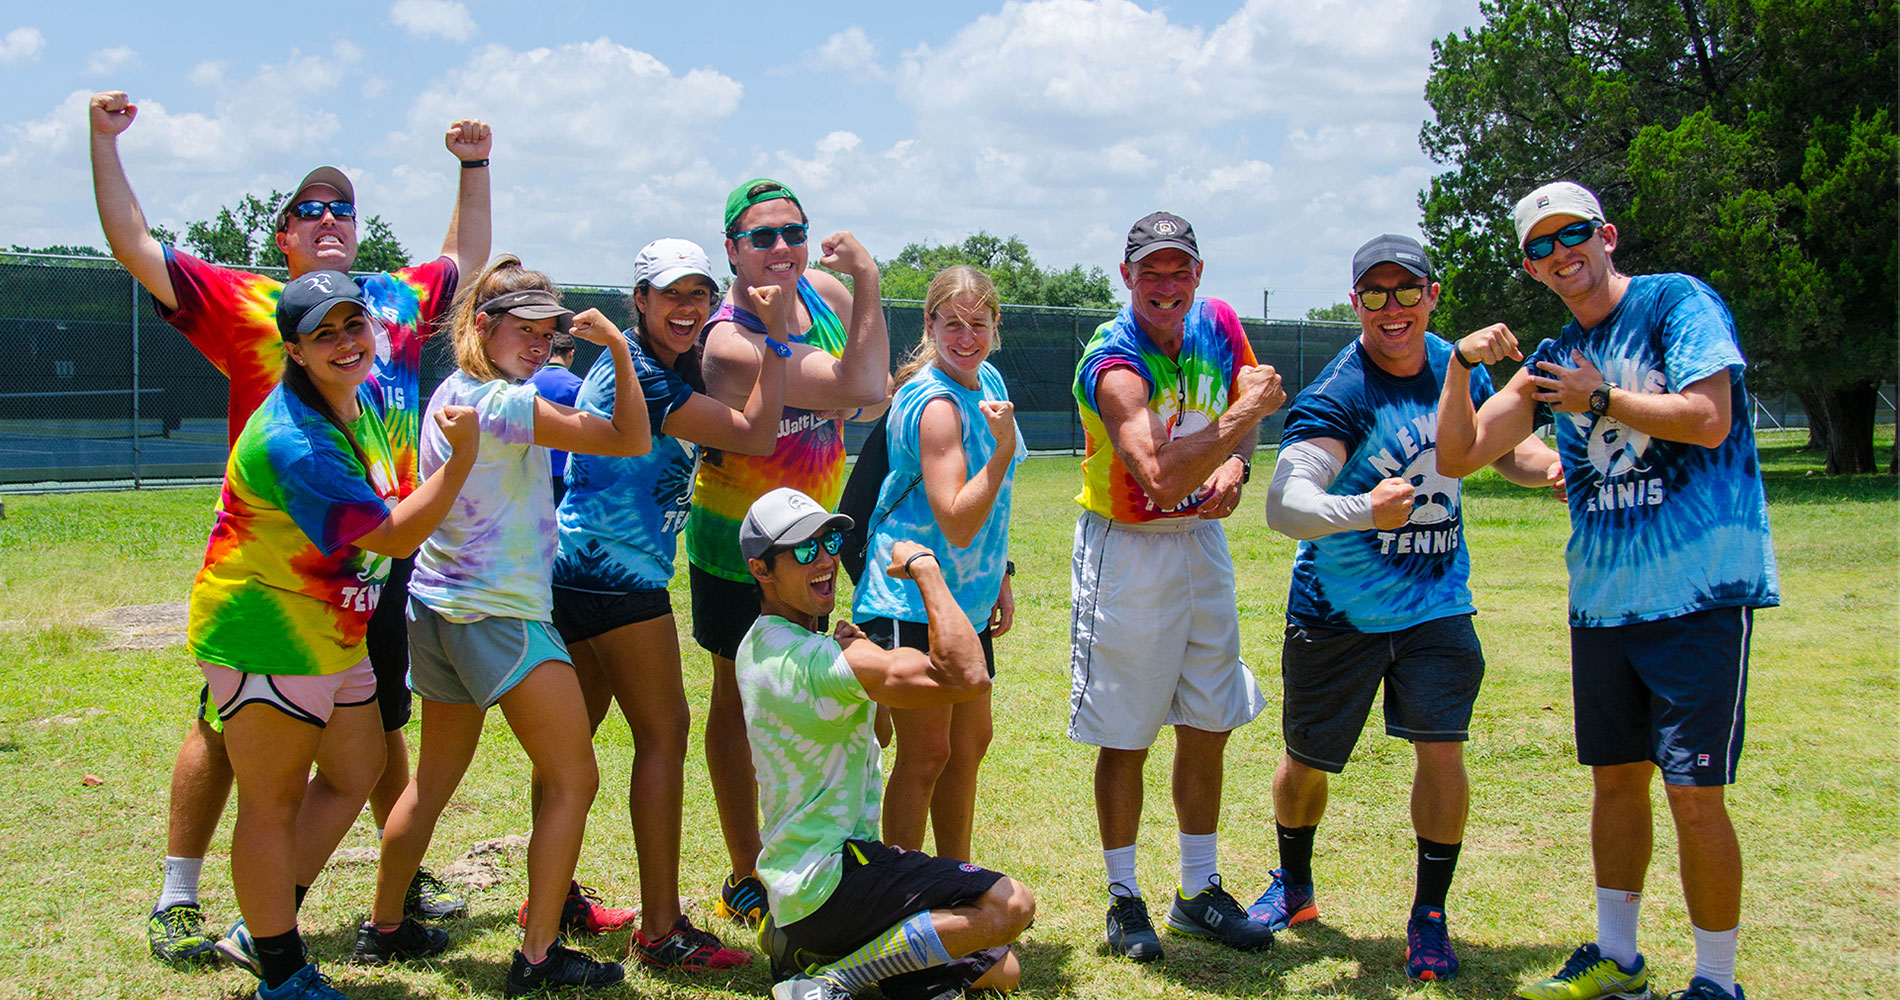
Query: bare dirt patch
[[142, 626]]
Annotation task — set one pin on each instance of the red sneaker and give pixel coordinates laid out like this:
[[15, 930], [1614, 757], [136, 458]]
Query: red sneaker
[[582, 915], [688, 948]]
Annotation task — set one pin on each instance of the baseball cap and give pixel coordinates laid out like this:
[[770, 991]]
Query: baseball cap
[[532, 303], [1160, 231], [665, 261], [330, 176], [1391, 248], [784, 517], [308, 298], [740, 200], [1555, 198]]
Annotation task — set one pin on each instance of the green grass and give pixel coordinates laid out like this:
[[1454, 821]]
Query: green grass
[[1816, 805]]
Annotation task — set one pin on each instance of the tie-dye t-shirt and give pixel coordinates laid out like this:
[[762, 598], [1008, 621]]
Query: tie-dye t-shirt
[[230, 316], [492, 554], [1377, 580], [621, 518], [974, 573], [815, 751], [809, 457], [1660, 529], [1188, 393], [283, 590]]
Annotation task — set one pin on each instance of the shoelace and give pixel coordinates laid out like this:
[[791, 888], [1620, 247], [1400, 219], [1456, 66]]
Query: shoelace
[[427, 884], [1132, 915], [1580, 961], [174, 920]]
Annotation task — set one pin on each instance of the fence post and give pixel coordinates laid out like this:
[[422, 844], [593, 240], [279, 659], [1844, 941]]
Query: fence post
[[133, 282]]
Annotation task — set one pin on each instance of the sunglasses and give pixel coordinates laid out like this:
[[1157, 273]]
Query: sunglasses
[[1570, 236], [314, 209], [806, 551], [1374, 298], [765, 237]]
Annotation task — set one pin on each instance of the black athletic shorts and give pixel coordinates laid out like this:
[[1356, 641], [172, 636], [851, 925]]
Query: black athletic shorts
[[580, 615], [723, 611], [891, 633], [1672, 692], [1430, 672], [388, 641]]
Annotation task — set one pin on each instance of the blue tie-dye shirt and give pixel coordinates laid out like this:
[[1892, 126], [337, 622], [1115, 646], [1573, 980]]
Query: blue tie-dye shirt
[[1377, 580], [621, 518], [1661, 528]]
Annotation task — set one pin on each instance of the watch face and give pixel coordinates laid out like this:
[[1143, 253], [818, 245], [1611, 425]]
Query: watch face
[[1600, 400]]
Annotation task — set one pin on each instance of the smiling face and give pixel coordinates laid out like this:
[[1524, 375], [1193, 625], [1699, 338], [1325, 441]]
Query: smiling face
[[963, 331], [1162, 287], [671, 317], [778, 264], [325, 243], [518, 347], [339, 353], [1575, 273], [1394, 335], [801, 592]]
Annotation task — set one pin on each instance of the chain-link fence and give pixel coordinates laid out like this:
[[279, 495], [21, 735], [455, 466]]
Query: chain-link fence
[[97, 391]]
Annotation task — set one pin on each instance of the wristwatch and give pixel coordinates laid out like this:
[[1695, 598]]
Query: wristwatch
[[1600, 398], [1246, 468]]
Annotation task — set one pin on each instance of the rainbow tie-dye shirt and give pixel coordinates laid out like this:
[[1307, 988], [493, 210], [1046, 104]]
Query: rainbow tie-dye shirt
[[283, 589], [1187, 392], [230, 316], [809, 457]]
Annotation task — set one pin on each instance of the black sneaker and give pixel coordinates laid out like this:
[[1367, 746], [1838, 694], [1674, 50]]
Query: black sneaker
[[564, 967], [409, 940], [1217, 916], [429, 899], [1130, 933]]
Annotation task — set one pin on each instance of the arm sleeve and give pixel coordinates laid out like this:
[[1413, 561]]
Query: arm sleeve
[[1298, 505]]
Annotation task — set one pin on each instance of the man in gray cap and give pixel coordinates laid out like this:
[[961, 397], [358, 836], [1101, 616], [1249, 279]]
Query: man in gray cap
[[227, 314], [919, 926], [1379, 595]]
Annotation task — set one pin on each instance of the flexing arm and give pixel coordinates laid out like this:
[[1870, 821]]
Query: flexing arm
[[569, 429], [1532, 463], [863, 371], [469, 235], [753, 428], [1298, 505], [961, 505], [133, 246], [1169, 471], [953, 671], [422, 511], [1699, 414], [1468, 438]]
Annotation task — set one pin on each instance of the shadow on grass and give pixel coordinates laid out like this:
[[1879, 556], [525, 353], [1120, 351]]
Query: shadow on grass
[[1045, 967]]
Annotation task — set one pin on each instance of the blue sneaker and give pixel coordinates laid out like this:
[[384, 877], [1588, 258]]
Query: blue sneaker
[[1283, 904], [1701, 988], [304, 984], [236, 946], [1428, 954]]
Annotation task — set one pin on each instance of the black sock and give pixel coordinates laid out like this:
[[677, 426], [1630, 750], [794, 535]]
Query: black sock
[[1296, 852], [1436, 864], [280, 956], [302, 891]]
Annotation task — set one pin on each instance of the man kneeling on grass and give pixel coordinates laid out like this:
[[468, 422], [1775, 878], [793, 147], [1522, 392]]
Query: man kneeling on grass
[[919, 926]]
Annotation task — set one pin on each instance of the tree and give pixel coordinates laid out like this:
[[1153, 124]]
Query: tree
[[1338, 312], [245, 236], [1019, 279]]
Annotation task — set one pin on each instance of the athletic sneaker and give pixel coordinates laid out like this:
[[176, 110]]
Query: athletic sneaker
[[686, 947], [742, 898], [410, 940], [582, 914], [1428, 953], [1590, 976], [564, 967], [809, 988], [304, 984], [429, 899], [236, 946], [1283, 904], [1703, 988], [1217, 916], [1130, 933], [178, 937]]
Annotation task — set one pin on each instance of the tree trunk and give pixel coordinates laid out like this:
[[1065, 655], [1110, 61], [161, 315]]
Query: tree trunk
[[1850, 429], [1817, 421]]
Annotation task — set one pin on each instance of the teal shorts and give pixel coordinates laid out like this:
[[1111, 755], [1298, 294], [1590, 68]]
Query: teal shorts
[[477, 662]]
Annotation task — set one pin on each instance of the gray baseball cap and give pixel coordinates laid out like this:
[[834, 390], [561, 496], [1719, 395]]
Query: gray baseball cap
[[1391, 248], [329, 176], [785, 517]]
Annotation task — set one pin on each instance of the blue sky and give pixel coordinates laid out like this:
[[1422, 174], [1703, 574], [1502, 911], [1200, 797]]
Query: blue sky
[[1286, 131]]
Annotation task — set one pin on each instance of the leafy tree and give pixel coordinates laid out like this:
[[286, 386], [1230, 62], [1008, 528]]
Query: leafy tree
[[1337, 312], [377, 248], [1019, 279]]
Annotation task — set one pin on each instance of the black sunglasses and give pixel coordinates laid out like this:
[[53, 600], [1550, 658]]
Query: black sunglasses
[[765, 237], [313, 209], [1374, 298], [1570, 236], [806, 551]]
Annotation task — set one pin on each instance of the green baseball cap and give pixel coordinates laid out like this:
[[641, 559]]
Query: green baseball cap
[[740, 200]]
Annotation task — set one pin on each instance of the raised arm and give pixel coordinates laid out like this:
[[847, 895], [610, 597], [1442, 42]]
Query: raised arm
[[962, 505], [127, 233], [627, 433], [953, 671], [1470, 438], [422, 511], [1169, 471], [470, 232], [863, 371], [750, 429]]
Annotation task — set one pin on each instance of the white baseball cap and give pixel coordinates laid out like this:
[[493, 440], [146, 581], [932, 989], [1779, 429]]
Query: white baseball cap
[[665, 261], [785, 517], [1555, 198]]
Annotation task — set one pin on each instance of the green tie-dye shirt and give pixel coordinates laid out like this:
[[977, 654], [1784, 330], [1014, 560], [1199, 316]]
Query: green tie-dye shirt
[[815, 750]]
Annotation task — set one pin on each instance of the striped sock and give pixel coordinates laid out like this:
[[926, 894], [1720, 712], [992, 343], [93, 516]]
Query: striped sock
[[908, 947]]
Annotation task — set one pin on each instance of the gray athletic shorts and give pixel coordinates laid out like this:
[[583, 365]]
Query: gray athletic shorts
[[1430, 673], [1154, 636], [478, 662]]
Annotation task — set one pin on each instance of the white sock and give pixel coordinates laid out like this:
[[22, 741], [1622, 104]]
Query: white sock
[[1715, 956], [1616, 925], [1200, 861], [181, 882], [1121, 867]]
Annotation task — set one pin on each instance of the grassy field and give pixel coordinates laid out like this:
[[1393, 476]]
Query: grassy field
[[1816, 804]]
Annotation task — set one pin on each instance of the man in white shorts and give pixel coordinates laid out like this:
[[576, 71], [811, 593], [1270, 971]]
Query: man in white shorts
[[1171, 400]]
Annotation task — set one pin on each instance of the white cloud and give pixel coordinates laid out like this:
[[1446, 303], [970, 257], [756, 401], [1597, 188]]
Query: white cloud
[[209, 73], [433, 18], [21, 46], [848, 52], [112, 60]]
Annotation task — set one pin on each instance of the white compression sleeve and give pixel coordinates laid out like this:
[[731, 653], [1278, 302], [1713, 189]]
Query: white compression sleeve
[[1298, 505]]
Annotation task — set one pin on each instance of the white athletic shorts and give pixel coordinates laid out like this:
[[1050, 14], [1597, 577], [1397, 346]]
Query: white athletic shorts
[[1154, 637]]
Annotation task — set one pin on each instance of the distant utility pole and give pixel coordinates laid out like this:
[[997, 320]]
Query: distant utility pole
[[1265, 296]]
